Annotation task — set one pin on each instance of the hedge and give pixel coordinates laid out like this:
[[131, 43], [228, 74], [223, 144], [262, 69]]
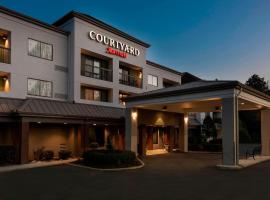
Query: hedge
[[105, 157], [64, 154]]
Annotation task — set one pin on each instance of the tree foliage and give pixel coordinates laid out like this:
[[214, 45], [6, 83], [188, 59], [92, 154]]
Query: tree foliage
[[257, 82], [209, 128]]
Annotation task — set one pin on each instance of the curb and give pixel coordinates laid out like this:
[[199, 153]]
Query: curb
[[34, 165], [110, 169]]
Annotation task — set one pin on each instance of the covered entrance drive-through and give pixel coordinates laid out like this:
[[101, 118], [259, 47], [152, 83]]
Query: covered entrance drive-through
[[169, 107]]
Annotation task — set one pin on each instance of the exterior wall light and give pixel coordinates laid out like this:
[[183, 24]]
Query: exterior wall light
[[134, 115], [186, 119]]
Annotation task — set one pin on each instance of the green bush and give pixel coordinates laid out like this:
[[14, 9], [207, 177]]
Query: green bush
[[47, 155], [64, 154], [108, 157]]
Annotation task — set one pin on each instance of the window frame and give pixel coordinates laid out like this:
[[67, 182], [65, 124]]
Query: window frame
[[39, 80], [102, 93], [152, 83], [40, 42]]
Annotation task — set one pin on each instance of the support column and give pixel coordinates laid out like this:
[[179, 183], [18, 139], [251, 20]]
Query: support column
[[84, 136], [183, 134], [265, 132], [131, 137], [230, 141], [24, 143]]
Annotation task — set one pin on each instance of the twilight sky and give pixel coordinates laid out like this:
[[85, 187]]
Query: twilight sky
[[224, 39]]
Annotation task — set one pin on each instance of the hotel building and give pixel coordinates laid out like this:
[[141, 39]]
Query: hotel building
[[80, 81]]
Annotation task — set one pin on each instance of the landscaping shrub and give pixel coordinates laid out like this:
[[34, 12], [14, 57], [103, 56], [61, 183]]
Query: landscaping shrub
[[64, 154], [7, 154], [47, 155], [106, 157], [93, 145]]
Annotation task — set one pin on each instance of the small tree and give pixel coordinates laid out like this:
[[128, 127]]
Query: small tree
[[257, 82], [244, 136], [209, 128]]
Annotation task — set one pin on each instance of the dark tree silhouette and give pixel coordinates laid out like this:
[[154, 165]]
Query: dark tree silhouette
[[257, 82]]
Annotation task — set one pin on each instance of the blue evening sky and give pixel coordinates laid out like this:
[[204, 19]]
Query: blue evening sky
[[224, 39]]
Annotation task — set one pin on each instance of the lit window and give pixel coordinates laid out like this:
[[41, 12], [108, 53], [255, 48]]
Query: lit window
[[4, 82], [39, 88], [152, 80], [122, 96], [94, 94], [40, 49], [5, 46]]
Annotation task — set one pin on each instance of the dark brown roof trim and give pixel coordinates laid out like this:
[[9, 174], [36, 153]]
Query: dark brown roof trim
[[163, 67], [100, 24], [191, 75], [209, 88], [31, 20]]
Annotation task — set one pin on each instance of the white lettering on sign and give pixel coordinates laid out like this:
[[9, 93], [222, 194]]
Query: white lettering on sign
[[114, 43]]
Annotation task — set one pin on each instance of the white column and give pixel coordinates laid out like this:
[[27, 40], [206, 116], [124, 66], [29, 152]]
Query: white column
[[230, 140], [265, 132], [131, 133]]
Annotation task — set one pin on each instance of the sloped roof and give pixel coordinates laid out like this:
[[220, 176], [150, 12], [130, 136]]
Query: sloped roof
[[197, 87], [31, 20], [41, 107], [8, 105], [163, 67]]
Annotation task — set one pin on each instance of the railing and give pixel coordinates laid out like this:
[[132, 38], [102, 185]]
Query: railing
[[130, 80], [4, 55], [97, 72]]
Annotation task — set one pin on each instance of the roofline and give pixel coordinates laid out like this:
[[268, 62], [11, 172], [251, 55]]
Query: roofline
[[163, 67], [31, 20], [209, 88], [100, 24], [192, 75]]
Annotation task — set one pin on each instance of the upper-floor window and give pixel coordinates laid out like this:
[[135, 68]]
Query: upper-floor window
[[169, 83], [152, 80], [94, 94], [130, 76], [40, 49], [5, 46], [4, 82], [122, 96], [39, 88], [95, 68]]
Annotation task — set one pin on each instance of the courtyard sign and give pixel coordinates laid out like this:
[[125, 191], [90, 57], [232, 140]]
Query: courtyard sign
[[125, 48]]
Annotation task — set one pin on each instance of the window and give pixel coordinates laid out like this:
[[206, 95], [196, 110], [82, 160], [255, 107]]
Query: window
[[40, 49], [153, 80], [96, 68], [39, 88], [4, 82], [5, 51], [94, 94], [121, 98]]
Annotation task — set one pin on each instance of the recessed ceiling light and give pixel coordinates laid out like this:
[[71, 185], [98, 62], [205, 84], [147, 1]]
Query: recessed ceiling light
[[242, 103], [94, 124]]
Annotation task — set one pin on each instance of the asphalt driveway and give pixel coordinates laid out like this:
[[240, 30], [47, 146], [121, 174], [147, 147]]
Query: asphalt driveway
[[171, 176]]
